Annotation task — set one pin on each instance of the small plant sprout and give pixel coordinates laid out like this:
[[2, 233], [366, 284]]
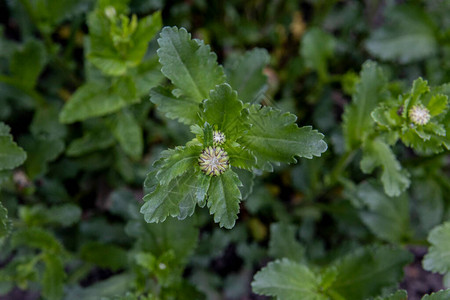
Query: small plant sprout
[[214, 161], [419, 114]]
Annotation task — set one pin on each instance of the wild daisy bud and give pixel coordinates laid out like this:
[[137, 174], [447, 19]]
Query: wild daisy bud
[[419, 114], [213, 161], [218, 138]]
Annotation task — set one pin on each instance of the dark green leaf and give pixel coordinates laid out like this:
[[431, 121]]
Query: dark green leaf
[[104, 255], [28, 62], [441, 295], [54, 275], [283, 242], [11, 155], [128, 133]]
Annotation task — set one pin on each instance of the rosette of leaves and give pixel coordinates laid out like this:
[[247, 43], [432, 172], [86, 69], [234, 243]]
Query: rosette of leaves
[[254, 137], [419, 118]]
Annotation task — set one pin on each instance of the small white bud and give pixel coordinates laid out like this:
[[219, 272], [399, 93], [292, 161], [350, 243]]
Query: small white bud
[[419, 115]]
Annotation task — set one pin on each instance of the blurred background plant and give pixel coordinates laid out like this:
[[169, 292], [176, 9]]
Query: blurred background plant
[[78, 135]]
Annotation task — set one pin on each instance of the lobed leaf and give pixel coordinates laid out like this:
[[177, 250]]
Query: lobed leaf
[[369, 91], [316, 49], [438, 257], [441, 295], [128, 133], [283, 242], [275, 137], [224, 198], [11, 155], [287, 280], [245, 75]]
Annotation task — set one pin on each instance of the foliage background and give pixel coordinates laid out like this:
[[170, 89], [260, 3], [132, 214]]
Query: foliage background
[[74, 230]]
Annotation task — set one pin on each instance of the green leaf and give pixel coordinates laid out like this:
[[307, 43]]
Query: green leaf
[[283, 242], [41, 152], [378, 153], [437, 104], [61, 215], [128, 133], [177, 199], [399, 295], [245, 75], [224, 198], [180, 237], [287, 280], [37, 238], [11, 155], [176, 162], [386, 217], [92, 140], [368, 93], [441, 295], [118, 43], [365, 272], [438, 257], [241, 158], [5, 224], [189, 64], [96, 99], [28, 62], [104, 255], [184, 110], [408, 35], [223, 109], [275, 137], [53, 279], [316, 48]]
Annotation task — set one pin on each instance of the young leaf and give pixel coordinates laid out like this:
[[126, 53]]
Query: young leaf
[[96, 99], [287, 280], [386, 217], [283, 242], [224, 198], [223, 109], [11, 155], [37, 238], [438, 257], [378, 153], [316, 48], [189, 64], [365, 272], [368, 92], [245, 75], [275, 137], [408, 35], [128, 133], [54, 275]]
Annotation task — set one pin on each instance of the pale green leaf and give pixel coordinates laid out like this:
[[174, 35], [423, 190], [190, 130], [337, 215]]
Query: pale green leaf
[[189, 64], [224, 110], [438, 257], [441, 295], [128, 133], [377, 153], [176, 162], [287, 280], [437, 104], [369, 91], [283, 242], [53, 279], [96, 99], [28, 62], [386, 217], [245, 75], [11, 155], [183, 109], [316, 49], [224, 198], [275, 137], [408, 35], [365, 272]]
